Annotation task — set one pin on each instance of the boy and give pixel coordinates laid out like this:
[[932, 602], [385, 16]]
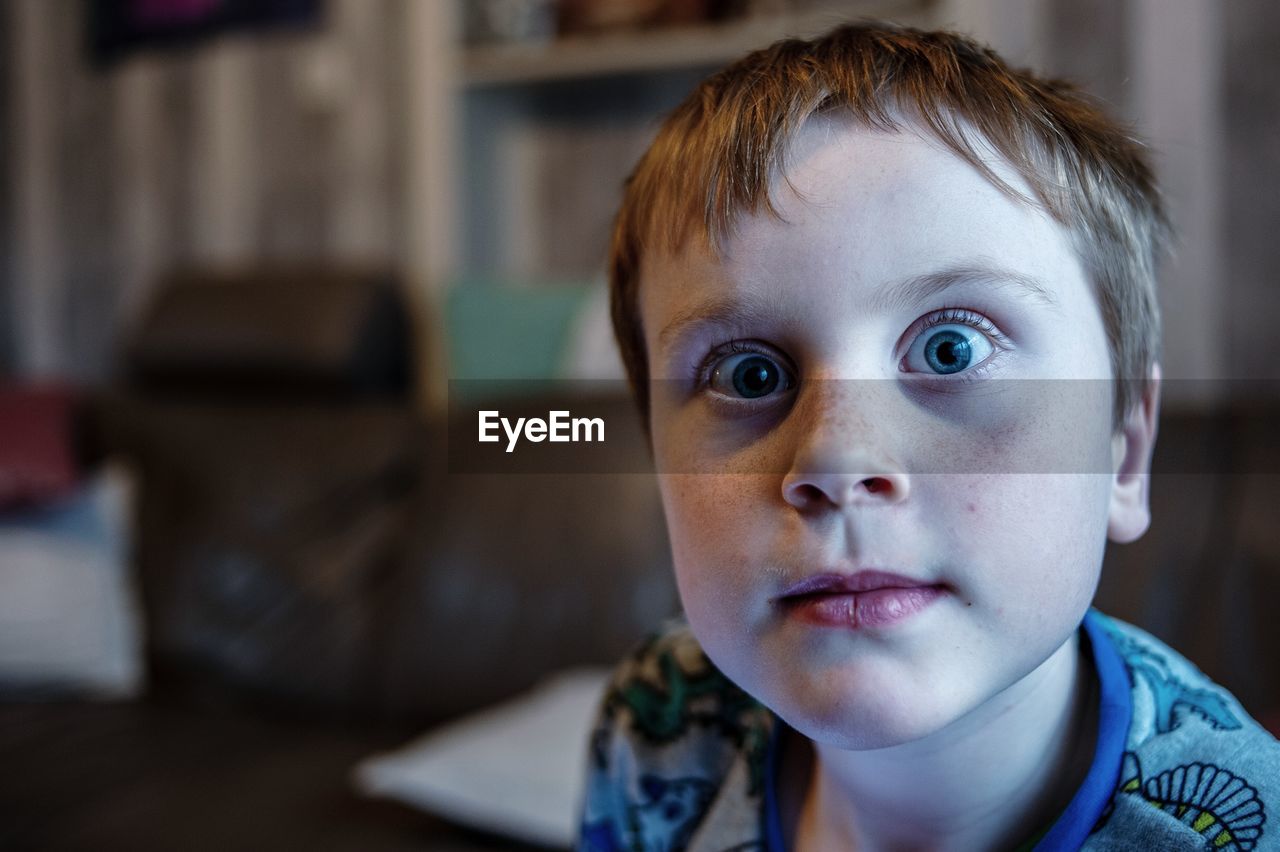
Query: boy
[[863, 286]]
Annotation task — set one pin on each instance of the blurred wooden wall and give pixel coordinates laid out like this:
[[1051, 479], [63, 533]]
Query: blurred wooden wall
[[338, 144], [246, 148], [1251, 185]]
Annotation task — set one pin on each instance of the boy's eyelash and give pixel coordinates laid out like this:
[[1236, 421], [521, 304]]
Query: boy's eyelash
[[963, 316], [733, 347]]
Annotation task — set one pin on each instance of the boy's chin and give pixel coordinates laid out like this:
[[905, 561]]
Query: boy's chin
[[864, 720], [867, 731]]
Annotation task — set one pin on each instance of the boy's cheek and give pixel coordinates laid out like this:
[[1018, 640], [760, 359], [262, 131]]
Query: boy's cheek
[[723, 536], [1031, 545], [1011, 426], [691, 495], [718, 514]]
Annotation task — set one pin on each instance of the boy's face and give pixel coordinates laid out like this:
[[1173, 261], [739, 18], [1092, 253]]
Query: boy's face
[[897, 393]]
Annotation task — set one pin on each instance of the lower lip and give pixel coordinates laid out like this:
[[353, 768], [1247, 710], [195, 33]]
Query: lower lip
[[857, 610]]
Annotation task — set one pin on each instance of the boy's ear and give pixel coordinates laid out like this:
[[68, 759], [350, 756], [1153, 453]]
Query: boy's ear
[[1131, 453]]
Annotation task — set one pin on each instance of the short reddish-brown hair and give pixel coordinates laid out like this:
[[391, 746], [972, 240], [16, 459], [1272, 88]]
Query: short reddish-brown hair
[[718, 152]]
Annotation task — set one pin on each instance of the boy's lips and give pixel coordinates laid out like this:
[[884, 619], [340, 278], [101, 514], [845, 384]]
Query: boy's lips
[[867, 598], [836, 582]]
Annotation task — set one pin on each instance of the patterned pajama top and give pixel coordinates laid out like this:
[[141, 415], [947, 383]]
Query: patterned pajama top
[[681, 758]]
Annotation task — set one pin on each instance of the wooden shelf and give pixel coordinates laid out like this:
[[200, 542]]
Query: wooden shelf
[[669, 49]]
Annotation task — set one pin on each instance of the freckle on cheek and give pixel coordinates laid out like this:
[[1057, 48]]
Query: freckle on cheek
[[971, 507]]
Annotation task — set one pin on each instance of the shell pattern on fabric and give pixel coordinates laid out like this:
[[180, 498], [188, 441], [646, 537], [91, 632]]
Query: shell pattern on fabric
[[1219, 805]]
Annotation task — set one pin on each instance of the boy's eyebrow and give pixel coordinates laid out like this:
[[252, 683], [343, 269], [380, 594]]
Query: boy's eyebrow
[[716, 312], [918, 288], [745, 308]]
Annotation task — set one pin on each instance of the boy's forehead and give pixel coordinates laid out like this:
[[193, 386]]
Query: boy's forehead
[[862, 205], [837, 163]]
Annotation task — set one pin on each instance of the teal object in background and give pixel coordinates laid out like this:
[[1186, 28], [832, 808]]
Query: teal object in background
[[498, 331]]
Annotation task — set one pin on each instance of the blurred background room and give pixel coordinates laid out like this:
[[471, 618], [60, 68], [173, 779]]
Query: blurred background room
[[248, 251]]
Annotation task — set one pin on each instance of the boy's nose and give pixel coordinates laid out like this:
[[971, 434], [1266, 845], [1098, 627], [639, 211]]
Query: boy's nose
[[843, 458]]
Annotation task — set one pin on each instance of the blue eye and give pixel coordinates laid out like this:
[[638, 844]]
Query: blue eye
[[749, 375], [948, 348]]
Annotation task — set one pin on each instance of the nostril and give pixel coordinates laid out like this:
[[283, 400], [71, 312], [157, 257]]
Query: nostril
[[808, 493]]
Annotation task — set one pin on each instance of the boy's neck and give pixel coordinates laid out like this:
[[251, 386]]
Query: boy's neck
[[990, 780]]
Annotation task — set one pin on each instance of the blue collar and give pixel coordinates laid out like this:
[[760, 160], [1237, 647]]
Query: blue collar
[[1115, 708]]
